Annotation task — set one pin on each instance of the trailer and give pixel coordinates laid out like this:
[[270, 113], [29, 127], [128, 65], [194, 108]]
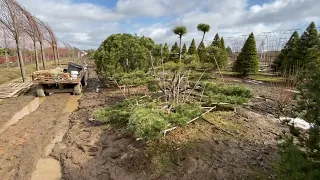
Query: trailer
[[70, 80]]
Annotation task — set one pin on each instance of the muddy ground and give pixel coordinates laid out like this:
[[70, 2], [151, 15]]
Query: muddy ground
[[240, 145], [24, 143], [8, 107], [237, 144]]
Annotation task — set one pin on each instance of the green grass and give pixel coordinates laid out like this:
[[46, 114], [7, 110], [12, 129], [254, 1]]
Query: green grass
[[229, 73], [8, 74], [267, 78], [223, 120], [233, 94]]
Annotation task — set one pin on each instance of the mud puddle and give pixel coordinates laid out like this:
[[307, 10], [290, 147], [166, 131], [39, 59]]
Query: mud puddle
[[32, 106], [49, 168], [72, 104]]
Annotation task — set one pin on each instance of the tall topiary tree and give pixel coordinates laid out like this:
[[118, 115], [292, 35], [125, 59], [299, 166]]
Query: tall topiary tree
[[180, 31], [202, 52], [247, 61], [204, 28], [286, 60], [192, 48], [308, 40], [216, 41], [184, 49]]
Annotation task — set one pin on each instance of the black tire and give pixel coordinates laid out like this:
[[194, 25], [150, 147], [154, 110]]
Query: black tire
[[40, 91], [77, 89]]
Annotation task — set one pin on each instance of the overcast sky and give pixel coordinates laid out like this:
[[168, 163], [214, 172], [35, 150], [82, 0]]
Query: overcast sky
[[85, 24]]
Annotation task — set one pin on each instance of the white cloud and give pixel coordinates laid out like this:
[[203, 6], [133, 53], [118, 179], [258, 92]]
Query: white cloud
[[83, 25], [155, 8], [86, 25], [233, 18]]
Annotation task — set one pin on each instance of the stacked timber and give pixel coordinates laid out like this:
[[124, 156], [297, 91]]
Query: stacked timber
[[56, 74]]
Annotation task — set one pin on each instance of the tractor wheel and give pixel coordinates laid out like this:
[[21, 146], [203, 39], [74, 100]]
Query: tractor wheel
[[78, 89], [40, 91]]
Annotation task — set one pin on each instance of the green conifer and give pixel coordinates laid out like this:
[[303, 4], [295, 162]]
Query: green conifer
[[184, 49], [202, 52], [308, 41], [216, 41], [165, 52], [222, 43], [192, 48], [247, 61], [175, 48], [286, 61]]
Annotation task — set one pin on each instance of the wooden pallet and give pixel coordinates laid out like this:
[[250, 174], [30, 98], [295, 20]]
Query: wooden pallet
[[14, 88]]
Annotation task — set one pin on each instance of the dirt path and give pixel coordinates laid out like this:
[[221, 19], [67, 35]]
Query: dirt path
[[24, 143]]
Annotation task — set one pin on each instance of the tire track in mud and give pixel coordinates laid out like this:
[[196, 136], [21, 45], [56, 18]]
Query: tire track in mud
[[24, 143]]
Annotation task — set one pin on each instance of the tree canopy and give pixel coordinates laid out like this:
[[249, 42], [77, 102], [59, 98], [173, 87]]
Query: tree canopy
[[204, 28], [123, 53], [180, 31]]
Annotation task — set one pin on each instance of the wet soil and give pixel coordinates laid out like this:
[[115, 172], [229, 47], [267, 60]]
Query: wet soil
[[29, 108], [29, 129], [24, 143], [8, 107]]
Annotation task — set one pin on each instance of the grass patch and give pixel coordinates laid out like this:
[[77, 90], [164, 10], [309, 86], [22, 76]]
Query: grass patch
[[134, 78], [195, 76], [163, 156], [224, 120], [230, 73], [272, 79], [233, 94]]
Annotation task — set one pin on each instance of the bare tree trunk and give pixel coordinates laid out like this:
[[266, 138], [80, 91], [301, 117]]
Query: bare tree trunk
[[20, 59], [54, 56], [203, 36], [180, 50], [6, 57], [5, 48], [58, 55], [36, 55], [43, 58]]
